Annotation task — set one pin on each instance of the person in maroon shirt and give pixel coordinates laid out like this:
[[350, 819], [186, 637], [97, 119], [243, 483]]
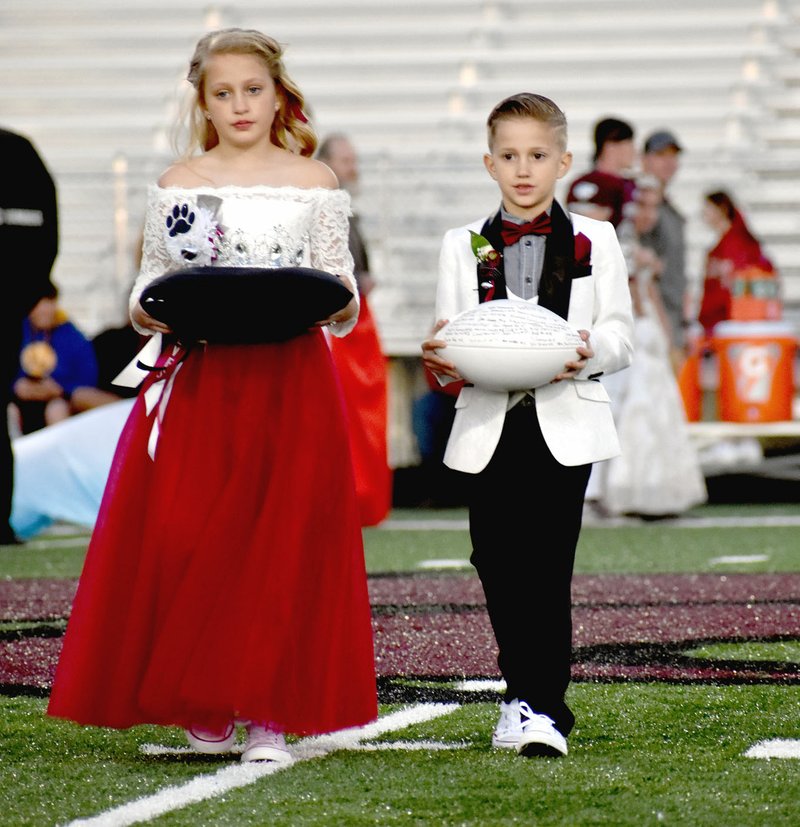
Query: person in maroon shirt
[[603, 192]]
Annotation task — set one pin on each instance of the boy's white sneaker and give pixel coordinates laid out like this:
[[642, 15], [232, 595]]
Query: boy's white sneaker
[[508, 731], [539, 736], [211, 743], [264, 744]]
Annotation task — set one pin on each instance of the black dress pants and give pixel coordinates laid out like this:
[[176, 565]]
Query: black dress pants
[[525, 512]]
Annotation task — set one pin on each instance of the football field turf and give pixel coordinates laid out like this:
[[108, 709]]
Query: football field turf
[[686, 693]]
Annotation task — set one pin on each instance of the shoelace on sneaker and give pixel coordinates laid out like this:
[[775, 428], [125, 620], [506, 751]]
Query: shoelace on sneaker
[[264, 744], [260, 736], [525, 712]]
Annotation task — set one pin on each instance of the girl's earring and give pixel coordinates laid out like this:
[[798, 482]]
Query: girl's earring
[[208, 116]]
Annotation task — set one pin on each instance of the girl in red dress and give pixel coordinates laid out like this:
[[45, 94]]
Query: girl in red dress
[[225, 582]]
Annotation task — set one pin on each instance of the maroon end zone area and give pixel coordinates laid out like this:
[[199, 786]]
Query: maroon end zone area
[[434, 628]]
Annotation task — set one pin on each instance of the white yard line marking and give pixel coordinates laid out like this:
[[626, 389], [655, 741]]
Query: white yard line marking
[[759, 521], [50, 543], [425, 525], [734, 559], [174, 798], [157, 749], [444, 563], [480, 686], [349, 738], [241, 775], [775, 748], [409, 745]]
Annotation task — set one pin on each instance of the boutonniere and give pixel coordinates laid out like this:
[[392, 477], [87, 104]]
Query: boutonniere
[[583, 254], [484, 252], [488, 263]]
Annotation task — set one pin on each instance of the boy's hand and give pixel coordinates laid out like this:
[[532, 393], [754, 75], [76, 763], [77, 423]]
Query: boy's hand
[[431, 359], [585, 353]]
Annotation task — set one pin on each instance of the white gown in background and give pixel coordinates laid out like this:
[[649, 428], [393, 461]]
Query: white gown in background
[[60, 471], [658, 472]]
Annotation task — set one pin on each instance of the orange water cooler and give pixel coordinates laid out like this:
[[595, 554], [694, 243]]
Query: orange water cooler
[[690, 381], [756, 370]]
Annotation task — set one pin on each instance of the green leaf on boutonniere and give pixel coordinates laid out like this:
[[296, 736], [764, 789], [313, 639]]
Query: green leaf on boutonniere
[[482, 249]]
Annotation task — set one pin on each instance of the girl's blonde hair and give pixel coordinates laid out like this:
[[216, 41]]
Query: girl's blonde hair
[[290, 128]]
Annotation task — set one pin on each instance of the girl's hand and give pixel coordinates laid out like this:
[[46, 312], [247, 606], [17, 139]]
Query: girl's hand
[[347, 312], [143, 319]]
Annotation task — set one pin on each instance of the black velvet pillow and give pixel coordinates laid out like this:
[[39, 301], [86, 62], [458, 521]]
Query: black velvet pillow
[[240, 305]]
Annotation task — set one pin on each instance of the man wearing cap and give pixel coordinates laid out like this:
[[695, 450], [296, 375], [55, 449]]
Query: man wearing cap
[[667, 238], [603, 192]]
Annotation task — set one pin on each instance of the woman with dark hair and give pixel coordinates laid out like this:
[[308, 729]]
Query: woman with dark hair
[[740, 281]]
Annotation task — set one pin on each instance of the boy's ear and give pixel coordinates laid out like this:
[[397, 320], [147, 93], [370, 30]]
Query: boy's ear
[[488, 162], [566, 164]]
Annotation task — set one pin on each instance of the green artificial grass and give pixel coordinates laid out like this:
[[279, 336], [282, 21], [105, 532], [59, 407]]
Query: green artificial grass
[[638, 548], [640, 754], [61, 558], [659, 549], [643, 548], [782, 651]]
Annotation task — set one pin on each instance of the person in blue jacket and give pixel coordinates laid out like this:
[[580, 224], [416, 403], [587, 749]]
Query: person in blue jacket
[[55, 358]]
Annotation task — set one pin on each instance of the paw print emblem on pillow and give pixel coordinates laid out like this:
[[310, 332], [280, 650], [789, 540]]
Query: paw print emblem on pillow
[[191, 235], [180, 220]]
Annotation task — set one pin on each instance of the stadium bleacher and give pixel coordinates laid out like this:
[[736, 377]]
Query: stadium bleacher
[[96, 84]]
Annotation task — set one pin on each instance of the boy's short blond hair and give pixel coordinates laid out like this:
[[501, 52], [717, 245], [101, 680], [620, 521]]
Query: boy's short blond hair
[[529, 105]]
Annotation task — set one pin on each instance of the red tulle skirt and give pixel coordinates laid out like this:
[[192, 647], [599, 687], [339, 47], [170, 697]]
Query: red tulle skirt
[[225, 579]]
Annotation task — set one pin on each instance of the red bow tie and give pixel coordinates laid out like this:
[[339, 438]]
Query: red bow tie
[[512, 232]]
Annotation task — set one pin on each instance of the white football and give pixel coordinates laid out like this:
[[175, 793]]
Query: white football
[[507, 345]]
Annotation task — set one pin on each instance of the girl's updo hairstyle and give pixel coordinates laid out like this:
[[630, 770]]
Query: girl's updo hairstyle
[[290, 128]]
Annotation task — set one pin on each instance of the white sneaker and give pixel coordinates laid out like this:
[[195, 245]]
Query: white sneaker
[[539, 735], [265, 745], [211, 743], [508, 731]]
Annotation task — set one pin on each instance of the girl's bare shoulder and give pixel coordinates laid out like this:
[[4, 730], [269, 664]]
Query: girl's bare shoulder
[[308, 172], [184, 174]]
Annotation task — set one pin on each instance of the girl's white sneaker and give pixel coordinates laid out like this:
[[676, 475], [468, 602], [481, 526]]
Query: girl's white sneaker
[[264, 744], [211, 743]]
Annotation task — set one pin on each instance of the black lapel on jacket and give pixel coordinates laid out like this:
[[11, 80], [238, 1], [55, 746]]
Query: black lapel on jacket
[[559, 262]]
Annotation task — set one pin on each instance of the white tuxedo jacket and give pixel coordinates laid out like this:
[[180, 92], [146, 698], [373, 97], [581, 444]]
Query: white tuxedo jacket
[[574, 414]]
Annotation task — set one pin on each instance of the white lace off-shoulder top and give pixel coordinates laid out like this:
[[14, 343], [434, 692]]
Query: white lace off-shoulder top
[[259, 226]]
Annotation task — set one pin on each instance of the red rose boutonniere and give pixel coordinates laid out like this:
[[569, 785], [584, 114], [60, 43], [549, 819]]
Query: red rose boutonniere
[[488, 263], [583, 255]]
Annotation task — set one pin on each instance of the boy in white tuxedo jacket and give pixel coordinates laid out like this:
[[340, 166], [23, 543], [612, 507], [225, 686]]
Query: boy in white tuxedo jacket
[[528, 454]]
